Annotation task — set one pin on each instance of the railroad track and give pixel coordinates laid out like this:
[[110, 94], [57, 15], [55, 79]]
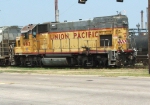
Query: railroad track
[[136, 66]]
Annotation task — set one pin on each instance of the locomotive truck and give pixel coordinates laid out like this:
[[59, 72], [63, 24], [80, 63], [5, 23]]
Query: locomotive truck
[[98, 42]]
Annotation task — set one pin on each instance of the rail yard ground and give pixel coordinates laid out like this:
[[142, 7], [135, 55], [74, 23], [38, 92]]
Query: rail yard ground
[[44, 89], [113, 72]]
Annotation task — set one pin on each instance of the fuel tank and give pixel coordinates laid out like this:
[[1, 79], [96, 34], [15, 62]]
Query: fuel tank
[[54, 61]]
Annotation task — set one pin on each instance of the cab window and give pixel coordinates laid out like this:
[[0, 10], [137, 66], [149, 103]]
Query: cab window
[[26, 36], [34, 32]]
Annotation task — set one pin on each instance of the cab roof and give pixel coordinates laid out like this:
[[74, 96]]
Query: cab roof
[[27, 28]]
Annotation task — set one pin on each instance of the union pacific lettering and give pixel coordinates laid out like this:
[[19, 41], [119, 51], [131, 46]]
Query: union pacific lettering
[[59, 36], [84, 34], [78, 35]]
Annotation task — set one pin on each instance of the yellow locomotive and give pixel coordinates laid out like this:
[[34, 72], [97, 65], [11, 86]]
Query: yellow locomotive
[[100, 42]]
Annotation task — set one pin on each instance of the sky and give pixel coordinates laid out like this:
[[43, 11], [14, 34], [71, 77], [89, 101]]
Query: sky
[[24, 12]]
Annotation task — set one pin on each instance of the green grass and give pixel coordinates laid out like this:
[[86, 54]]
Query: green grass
[[67, 71]]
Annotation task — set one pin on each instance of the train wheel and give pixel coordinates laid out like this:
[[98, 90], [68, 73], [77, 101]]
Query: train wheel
[[40, 64], [145, 63], [7, 63], [95, 63], [122, 61], [2, 62], [32, 63], [22, 61], [119, 64], [84, 62]]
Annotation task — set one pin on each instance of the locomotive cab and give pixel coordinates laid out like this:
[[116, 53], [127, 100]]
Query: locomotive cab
[[25, 41], [31, 44]]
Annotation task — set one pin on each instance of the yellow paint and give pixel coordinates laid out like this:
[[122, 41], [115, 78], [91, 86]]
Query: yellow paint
[[71, 41]]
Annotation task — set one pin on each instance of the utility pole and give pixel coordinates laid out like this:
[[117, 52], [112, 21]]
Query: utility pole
[[56, 11], [149, 35]]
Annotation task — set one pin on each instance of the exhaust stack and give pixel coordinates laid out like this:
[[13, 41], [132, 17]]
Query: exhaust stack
[[142, 19], [56, 11]]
